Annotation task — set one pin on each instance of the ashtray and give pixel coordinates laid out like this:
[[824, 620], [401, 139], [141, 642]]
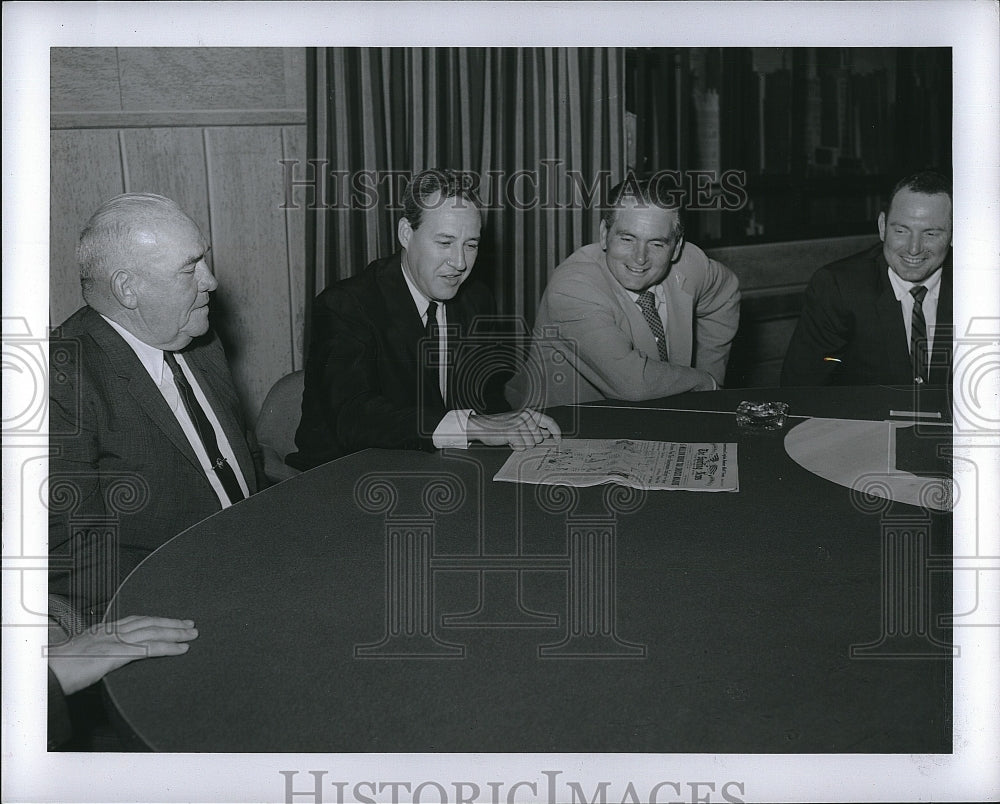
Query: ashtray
[[761, 415]]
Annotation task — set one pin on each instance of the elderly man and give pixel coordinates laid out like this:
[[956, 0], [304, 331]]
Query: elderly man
[[392, 363], [639, 315], [146, 432], [884, 316]]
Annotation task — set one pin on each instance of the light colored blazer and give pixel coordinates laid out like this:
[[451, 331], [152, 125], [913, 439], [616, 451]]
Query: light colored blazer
[[590, 340]]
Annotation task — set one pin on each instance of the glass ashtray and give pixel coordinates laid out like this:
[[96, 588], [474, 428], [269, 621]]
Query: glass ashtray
[[761, 415]]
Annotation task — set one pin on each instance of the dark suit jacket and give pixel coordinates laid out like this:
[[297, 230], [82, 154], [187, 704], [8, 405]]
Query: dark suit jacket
[[123, 478], [851, 313], [363, 381]]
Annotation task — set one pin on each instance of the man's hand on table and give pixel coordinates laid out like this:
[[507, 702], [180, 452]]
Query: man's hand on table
[[519, 430], [86, 658]]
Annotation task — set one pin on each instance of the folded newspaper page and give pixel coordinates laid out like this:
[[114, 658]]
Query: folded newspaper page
[[639, 464]]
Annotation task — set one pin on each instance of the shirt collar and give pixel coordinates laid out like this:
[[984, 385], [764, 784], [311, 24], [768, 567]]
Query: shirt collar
[[901, 288], [150, 357], [658, 292], [420, 301]]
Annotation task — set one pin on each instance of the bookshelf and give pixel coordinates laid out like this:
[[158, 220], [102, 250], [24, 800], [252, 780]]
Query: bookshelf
[[820, 134]]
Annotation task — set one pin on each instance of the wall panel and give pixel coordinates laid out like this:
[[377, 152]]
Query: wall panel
[[251, 255], [85, 171], [184, 79], [170, 162], [294, 147], [84, 79]]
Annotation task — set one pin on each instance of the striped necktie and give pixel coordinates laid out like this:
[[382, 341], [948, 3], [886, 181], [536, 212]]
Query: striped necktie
[[918, 335], [205, 432], [647, 302]]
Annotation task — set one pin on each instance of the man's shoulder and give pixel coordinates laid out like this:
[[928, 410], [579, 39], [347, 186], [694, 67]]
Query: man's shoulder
[[83, 321], [586, 260], [862, 273], [361, 285], [695, 264], [585, 267], [862, 264]]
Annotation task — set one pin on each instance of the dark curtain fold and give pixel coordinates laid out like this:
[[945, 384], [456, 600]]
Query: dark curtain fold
[[541, 130]]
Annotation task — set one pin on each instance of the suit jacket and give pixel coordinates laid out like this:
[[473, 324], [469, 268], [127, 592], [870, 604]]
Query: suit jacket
[[123, 478], [851, 313], [590, 340], [363, 380]]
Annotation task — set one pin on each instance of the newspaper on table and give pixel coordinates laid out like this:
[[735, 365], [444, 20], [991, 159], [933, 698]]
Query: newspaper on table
[[639, 464]]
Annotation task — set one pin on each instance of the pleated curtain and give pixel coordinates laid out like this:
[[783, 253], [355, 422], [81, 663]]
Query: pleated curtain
[[539, 129]]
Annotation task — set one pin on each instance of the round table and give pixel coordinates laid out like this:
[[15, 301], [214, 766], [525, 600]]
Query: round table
[[405, 602]]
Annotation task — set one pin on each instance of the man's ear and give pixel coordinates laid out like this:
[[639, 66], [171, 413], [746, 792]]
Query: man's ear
[[404, 232], [678, 248], [604, 235], [881, 226], [122, 288]]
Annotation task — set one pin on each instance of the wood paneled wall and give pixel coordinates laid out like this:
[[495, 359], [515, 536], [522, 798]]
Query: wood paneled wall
[[206, 127]]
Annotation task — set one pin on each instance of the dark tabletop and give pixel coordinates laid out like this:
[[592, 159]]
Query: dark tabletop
[[791, 616]]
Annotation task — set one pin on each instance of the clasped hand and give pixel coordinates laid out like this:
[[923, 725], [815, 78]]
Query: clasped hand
[[520, 429]]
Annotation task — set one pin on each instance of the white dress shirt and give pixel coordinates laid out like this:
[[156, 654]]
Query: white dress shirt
[[452, 430], [152, 360], [901, 288]]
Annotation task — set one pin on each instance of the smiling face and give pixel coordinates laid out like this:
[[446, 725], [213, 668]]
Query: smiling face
[[640, 244], [916, 233], [171, 282], [438, 256]]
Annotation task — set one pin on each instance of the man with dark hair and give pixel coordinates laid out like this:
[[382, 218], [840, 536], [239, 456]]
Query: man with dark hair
[[639, 315], [145, 426], [884, 316], [387, 364]]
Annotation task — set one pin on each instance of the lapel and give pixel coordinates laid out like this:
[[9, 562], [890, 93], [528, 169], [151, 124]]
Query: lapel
[[224, 404], [940, 369], [403, 328], [896, 351], [680, 317], [139, 384], [639, 331]]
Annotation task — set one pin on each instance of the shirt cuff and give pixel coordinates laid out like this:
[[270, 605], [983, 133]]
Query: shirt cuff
[[452, 430]]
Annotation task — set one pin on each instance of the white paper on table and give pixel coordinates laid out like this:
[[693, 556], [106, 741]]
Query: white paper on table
[[668, 465]]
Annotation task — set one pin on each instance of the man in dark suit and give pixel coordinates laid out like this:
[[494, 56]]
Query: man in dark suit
[[884, 316], [392, 361], [146, 432]]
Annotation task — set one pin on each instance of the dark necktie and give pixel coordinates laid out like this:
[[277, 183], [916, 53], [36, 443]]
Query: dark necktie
[[205, 431], [918, 335], [432, 371], [647, 301]]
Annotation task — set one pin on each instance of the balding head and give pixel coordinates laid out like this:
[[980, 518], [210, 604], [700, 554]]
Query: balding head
[[107, 242], [142, 265]]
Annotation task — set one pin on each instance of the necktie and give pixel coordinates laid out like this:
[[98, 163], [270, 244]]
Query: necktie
[[205, 431], [647, 301], [918, 335], [432, 370]]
